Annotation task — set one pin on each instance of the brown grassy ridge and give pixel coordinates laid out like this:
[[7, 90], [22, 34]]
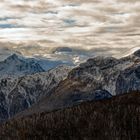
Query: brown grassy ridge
[[117, 118]]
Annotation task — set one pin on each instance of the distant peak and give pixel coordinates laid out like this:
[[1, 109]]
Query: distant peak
[[100, 61], [13, 56]]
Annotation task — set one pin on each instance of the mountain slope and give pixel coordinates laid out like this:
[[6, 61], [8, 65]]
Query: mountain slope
[[98, 78], [117, 118], [20, 93], [16, 65], [114, 76]]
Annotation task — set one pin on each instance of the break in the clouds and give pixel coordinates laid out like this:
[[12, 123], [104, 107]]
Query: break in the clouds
[[38, 27]]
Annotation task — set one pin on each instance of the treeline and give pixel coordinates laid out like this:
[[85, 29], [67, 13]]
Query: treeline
[[117, 118]]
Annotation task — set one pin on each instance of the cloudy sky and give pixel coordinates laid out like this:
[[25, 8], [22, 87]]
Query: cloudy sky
[[88, 27]]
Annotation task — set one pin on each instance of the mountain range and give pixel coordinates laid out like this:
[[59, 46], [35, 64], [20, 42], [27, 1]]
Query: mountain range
[[17, 94], [16, 65], [98, 78], [34, 91]]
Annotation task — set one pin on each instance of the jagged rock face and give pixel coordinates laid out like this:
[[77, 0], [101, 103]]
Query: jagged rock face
[[20, 93], [128, 80], [105, 73]]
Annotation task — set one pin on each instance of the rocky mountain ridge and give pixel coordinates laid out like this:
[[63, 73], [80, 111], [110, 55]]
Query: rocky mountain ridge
[[104, 74], [16, 66], [18, 94], [98, 78]]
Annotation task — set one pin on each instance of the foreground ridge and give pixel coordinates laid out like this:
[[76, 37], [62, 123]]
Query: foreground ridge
[[117, 118]]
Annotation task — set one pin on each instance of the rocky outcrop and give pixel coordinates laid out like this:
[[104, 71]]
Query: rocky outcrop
[[128, 80], [103, 73]]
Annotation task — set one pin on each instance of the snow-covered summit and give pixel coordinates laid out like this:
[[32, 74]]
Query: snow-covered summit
[[16, 65]]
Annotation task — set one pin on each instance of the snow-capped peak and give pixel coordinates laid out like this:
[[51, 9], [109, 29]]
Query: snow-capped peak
[[16, 65]]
